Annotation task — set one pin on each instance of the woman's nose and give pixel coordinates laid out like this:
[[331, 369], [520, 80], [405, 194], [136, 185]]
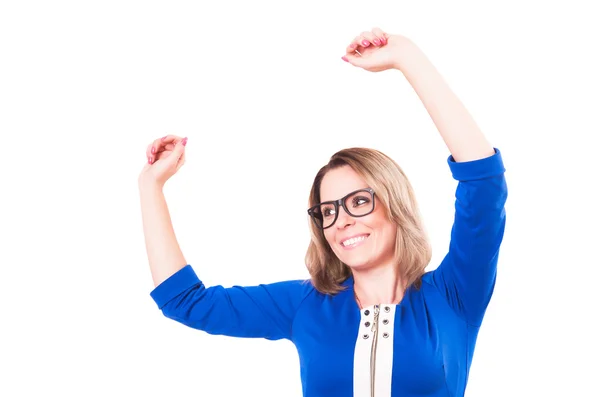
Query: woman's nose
[[344, 219]]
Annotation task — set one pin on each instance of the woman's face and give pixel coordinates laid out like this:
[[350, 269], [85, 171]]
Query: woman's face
[[359, 242]]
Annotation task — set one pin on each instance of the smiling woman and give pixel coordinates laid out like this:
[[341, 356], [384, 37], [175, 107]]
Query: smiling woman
[[370, 321], [389, 218]]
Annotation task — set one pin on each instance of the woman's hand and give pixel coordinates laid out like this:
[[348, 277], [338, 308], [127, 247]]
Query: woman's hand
[[165, 156], [376, 50]]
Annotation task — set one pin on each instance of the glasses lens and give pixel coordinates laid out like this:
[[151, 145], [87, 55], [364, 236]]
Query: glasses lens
[[360, 203], [323, 215]]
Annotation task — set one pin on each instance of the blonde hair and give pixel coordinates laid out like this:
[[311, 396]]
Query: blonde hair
[[394, 191]]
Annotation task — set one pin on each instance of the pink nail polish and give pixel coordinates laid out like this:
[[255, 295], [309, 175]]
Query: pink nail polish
[[345, 59], [149, 160], [153, 150], [184, 141], [365, 43], [377, 42]]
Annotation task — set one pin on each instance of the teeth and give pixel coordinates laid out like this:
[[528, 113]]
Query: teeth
[[353, 241]]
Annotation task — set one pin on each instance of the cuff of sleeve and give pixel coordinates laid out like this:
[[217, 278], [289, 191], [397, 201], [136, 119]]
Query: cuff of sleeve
[[477, 169], [180, 281]]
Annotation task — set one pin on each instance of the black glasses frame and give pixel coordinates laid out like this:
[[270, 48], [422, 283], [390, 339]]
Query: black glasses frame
[[341, 203]]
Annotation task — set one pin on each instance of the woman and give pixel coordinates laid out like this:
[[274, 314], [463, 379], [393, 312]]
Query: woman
[[371, 321]]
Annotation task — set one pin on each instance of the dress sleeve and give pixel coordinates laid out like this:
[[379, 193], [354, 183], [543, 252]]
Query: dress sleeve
[[467, 275], [262, 311]]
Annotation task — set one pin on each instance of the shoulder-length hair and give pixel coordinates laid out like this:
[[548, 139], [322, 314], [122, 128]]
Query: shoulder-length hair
[[395, 193]]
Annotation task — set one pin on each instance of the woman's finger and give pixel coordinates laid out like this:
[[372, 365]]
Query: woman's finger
[[181, 161], [149, 153], [159, 144], [163, 154], [351, 49], [174, 139], [370, 38], [170, 139], [358, 44], [168, 146], [164, 151], [380, 35], [163, 147]]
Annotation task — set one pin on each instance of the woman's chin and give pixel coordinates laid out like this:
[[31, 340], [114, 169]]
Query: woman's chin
[[358, 264]]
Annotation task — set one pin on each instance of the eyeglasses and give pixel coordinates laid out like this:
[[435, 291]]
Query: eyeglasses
[[357, 203]]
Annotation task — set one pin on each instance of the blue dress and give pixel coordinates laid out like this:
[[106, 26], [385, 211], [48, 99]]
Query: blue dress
[[422, 346]]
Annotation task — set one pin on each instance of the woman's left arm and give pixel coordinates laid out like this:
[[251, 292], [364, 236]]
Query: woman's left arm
[[466, 277], [377, 51], [462, 136]]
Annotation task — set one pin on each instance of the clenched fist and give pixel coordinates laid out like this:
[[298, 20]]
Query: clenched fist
[[165, 156], [376, 50]]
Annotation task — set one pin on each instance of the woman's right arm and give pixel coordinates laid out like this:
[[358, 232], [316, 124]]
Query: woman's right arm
[[164, 254], [263, 311], [165, 157]]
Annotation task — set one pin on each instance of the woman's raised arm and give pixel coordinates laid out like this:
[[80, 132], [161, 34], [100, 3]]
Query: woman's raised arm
[[263, 311]]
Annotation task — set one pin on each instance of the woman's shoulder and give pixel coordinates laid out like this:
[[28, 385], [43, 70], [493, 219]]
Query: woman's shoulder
[[293, 289]]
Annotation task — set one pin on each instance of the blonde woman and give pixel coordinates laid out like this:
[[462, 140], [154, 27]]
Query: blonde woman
[[370, 321]]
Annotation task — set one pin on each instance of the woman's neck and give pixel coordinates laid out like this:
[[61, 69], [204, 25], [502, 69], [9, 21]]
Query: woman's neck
[[379, 285]]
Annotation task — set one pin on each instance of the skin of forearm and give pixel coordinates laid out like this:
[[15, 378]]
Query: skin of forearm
[[456, 126], [164, 254]]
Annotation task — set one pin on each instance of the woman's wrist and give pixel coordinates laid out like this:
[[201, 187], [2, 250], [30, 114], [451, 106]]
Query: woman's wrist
[[406, 53], [146, 184]]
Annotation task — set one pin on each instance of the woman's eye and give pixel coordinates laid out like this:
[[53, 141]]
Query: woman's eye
[[328, 212], [359, 201]]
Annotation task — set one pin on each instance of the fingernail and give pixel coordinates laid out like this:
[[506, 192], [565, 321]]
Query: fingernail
[[377, 42], [153, 150], [365, 43], [184, 141], [163, 138], [149, 160], [345, 59]]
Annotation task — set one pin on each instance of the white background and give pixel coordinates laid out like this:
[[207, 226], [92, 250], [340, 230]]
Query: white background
[[260, 90]]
